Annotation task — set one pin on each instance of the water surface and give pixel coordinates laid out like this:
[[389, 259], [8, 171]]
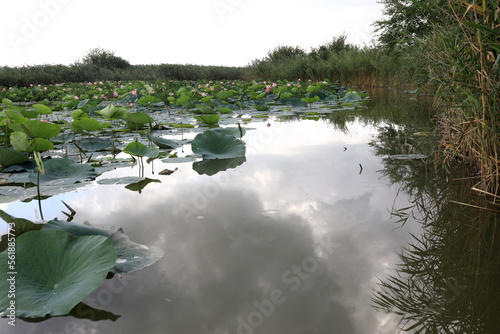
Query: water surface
[[290, 241]]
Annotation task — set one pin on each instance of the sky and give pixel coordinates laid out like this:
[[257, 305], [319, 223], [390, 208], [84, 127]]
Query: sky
[[203, 32]]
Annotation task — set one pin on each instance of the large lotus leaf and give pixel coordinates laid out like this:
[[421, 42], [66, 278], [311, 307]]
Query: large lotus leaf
[[7, 102], [138, 118], [55, 271], [95, 144], [332, 98], [13, 116], [130, 256], [18, 225], [37, 129], [42, 109], [224, 94], [296, 102], [215, 145], [111, 112], [214, 166], [352, 97], [87, 124], [231, 131], [204, 109], [20, 142], [79, 113], [164, 143], [9, 157], [139, 149], [208, 118], [64, 171]]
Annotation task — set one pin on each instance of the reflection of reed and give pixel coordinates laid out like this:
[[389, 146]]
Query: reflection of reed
[[448, 280]]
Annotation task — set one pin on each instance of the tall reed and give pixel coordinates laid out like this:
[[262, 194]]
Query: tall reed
[[464, 54]]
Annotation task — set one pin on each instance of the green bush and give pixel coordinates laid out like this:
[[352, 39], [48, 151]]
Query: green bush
[[104, 58]]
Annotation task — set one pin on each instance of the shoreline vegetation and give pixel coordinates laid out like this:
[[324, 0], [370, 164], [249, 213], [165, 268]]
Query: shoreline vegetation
[[448, 48]]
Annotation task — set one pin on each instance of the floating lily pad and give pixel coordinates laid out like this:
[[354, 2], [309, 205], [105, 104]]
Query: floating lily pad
[[231, 131], [121, 180], [130, 256], [408, 156], [164, 143], [188, 158], [352, 97], [64, 171], [95, 144], [215, 145], [55, 271], [10, 157]]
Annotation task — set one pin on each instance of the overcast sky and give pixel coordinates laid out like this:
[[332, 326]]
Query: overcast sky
[[206, 32]]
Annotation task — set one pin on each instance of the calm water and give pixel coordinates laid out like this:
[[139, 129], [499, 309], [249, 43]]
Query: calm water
[[291, 241]]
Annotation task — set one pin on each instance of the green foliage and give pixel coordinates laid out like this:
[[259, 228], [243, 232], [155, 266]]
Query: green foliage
[[105, 59], [217, 145], [69, 267], [404, 23]]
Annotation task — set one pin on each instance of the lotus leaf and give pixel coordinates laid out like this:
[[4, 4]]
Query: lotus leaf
[[10, 157], [37, 129], [64, 171], [55, 271], [87, 124], [42, 109], [164, 143], [215, 145], [20, 142], [140, 150], [130, 256]]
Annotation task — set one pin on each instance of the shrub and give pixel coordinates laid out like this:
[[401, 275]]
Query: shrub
[[104, 58]]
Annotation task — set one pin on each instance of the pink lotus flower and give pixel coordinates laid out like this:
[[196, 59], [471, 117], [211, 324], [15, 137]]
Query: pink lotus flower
[[133, 92], [115, 94], [76, 97]]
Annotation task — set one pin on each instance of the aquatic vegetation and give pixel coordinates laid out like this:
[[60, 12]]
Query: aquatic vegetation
[[58, 264], [65, 136], [92, 119]]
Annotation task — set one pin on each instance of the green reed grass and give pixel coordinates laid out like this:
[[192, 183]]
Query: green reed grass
[[464, 57]]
